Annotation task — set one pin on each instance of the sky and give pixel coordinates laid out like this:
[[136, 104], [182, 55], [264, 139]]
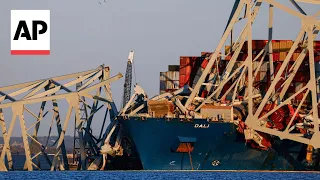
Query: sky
[[86, 34]]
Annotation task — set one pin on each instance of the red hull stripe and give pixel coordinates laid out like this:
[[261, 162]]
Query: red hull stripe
[[30, 52]]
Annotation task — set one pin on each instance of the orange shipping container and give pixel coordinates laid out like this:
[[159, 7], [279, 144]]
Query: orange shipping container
[[295, 56], [275, 46], [285, 45], [227, 49], [283, 56]]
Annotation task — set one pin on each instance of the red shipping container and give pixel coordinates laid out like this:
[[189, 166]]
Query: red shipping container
[[183, 80], [227, 58], [299, 97], [204, 93], [256, 45], [316, 45], [257, 79], [276, 56], [259, 44], [204, 63], [206, 53], [226, 87], [278, 86], [242, 57], [301, 76], [291, 88], [277, 66]]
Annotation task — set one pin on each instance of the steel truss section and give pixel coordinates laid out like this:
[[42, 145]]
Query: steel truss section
[[255, 120], [18, 97]]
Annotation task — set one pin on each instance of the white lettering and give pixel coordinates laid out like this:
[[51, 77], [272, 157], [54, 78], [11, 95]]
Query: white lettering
[[201, 125]]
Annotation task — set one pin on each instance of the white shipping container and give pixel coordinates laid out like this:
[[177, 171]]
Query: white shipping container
[[163, 76], [172, 75], [255, 64], [172, 84], [264, 66]]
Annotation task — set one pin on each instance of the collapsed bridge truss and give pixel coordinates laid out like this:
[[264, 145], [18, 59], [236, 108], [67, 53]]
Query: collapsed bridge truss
[[301, 127], [255, 120], [78, 90]]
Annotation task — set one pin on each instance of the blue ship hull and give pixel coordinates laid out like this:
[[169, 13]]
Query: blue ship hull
[[217, 146]]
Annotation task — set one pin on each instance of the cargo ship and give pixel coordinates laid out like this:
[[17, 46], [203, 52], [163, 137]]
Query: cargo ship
[[164, 138], [253, 107]]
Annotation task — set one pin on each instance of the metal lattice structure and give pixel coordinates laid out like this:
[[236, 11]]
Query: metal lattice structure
[[52, 91], [128, 79], [310, 28], [242, 77]]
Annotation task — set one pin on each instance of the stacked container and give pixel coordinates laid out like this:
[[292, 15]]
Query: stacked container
[[189, 66], [169, 81]]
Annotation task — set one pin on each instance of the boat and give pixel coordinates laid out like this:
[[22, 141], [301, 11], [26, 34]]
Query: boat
[[207, 119]]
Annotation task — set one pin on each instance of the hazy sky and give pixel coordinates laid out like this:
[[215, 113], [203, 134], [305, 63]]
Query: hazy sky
[[85, 34]]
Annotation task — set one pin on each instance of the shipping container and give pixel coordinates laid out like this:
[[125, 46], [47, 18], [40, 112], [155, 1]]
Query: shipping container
[[299, 85], [183, 80], [256, 45], [275, 46], [257, 78], [276, 56], [283, 56], [264, 66], [227, 49], [316, 45], [291, 88], [163, 76], [206, 54], [317, 55], [263, 76], [285, 45], [227, 58], [172, 75], [259, 44], [162, 85], [172, 85], [173, 68], [295, 56], [279, 86], [189, 66], [255, 64], [301, 76]]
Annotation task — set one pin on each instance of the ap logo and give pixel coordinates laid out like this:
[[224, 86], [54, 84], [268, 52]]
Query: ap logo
[[30, 32]]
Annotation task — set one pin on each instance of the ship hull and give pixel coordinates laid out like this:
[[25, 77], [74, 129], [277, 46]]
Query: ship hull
[[217, 146]]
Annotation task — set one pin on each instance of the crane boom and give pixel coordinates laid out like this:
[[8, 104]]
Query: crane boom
[[128, 79]]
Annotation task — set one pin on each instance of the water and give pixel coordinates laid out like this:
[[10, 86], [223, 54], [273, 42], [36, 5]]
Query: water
[[92, 175]]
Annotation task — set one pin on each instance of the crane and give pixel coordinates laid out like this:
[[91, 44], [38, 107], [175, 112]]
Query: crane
[[128, 79]]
